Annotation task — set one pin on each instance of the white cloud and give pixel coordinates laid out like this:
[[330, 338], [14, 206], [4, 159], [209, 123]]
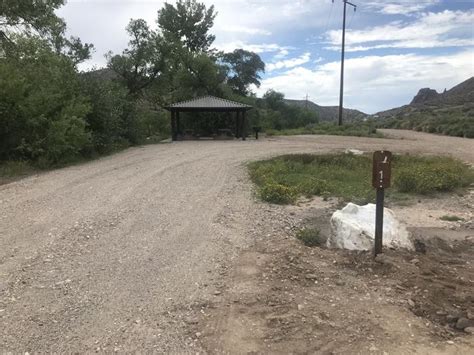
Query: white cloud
[[288, 63], [281, 54], [374, 83], [442, 29], [247, 30], [257, 48], [400, 7]]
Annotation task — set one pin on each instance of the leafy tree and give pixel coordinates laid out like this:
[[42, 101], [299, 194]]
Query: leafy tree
[[144, 62], [198, 75], [273, 99], [72, 47], [106, 119], [28, 15], [188, 23], [243, 69], [277, 114], [41, 108], [37, 17]]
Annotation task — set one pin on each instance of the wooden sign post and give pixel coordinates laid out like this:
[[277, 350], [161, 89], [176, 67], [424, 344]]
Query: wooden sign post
[[381, 174]]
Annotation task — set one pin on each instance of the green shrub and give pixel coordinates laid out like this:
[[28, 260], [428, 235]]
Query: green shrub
[[310, 237], [451, 120], [431, 174], [42, 109], [283, 179], [276, 193]]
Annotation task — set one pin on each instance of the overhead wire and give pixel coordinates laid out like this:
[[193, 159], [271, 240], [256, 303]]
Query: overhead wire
[[351, 18]]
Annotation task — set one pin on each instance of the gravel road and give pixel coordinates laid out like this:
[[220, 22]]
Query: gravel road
[[114, 254]]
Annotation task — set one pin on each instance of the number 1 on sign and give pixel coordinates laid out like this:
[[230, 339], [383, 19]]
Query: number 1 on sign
[[381, 174]]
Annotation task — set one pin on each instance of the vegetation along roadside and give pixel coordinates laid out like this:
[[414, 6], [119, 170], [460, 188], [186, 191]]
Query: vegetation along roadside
[[284, 179]]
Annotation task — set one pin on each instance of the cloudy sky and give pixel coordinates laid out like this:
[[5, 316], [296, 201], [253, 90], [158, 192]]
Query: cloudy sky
[[393, 48]]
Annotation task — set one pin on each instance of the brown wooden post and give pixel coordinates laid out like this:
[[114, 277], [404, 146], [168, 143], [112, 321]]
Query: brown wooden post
[[244, 126]]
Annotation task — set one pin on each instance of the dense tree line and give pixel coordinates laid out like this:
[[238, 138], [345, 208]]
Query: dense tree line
[[51, 113]]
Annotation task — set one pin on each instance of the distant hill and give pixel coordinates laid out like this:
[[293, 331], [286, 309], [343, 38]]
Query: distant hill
[[450, 112], [104, 74], [328, 113]]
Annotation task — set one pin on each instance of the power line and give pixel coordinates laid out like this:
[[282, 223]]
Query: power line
[[351, 19], [329, 17], [341, 90]]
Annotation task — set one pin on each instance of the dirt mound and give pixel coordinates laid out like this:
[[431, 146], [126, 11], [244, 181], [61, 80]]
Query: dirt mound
[[287, 298], [436, 281]]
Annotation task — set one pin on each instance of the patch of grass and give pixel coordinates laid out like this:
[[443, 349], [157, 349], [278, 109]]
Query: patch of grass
[[310, 237], [450, 218], [13, 169], [283, 179], [277, 193], [351, 129], [425, 175]]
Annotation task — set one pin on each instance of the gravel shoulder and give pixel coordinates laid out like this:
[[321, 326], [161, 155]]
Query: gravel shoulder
[[123, 253]]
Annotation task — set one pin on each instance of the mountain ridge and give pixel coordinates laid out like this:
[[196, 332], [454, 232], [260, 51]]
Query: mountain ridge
[[450, 112], [328, 113]]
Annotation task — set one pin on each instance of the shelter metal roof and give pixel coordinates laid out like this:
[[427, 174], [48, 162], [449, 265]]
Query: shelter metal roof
[[208, 103]]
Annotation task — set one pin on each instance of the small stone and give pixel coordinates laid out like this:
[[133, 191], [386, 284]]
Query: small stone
[[340, 283], [411, 303], [300, 307], [373, 348], [463, 323], [310, 277], [469, 330], [450, 342], [191, 320], [441, 313], [217, 293], [198, 334]]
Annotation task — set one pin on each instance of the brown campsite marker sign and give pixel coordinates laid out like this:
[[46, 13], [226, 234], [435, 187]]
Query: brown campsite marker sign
[[381, 174], [381, 169]]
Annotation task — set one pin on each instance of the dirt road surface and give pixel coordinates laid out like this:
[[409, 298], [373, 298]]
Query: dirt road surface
[[117, 254]]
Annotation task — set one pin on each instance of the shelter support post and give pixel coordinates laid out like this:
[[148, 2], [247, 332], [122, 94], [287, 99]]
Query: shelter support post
[[244, 126], [237, 124], [178, 125], [173, 126]]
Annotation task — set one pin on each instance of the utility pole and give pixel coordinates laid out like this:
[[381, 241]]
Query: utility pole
[[341, 90], [306, 102]]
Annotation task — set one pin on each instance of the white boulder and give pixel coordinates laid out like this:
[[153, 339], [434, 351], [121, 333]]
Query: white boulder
[[354, 151], [353, 228]]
